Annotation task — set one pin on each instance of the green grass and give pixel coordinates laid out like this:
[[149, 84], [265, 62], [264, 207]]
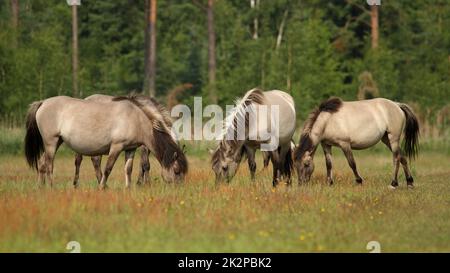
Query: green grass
[[240, 217]]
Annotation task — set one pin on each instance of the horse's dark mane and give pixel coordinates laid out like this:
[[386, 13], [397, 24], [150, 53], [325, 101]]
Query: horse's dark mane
[[305, 144], [165, 149], [164, 145], [332, 105], [137, 99]]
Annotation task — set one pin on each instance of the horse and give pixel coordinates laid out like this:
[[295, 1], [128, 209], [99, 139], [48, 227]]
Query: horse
[[230, 151], [358, 125], [160, 112], [93, 129]]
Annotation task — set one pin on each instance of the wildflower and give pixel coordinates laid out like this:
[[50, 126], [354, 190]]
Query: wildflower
[[302, 237]]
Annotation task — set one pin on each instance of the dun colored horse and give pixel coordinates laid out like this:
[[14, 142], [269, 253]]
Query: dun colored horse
[[228, 155], [358, 125], [93, 129], [160, 113]]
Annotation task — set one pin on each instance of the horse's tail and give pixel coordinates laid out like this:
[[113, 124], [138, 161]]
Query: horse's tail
[[411, 140], [34, 146], [288, 163]]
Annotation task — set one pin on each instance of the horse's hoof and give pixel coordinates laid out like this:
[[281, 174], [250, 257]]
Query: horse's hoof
[[410, 186], [394, 183], [359, 181], [392, 187]]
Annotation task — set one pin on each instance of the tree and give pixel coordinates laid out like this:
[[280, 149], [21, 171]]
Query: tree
[[15, 13], [211, 53], [75, 91], [374, 25], [150, 48], [254, 4]]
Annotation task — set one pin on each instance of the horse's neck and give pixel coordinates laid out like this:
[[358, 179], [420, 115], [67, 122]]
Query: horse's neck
[[315, 133], [318, 128]]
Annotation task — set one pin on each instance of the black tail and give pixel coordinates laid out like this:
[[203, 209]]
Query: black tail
[[34, 146], [411, 141]]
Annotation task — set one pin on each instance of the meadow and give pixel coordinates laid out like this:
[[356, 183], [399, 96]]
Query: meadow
[[242, 216]]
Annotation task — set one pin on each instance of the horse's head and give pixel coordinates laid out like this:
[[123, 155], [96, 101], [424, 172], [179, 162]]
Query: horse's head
[[225, 161], [172, 158], [175, 167], [305, 167], [304, 159]]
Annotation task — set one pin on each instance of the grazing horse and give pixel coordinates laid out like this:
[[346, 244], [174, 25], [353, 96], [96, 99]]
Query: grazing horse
[[357, 125], [230, 151], [93, 129], [160, 113]]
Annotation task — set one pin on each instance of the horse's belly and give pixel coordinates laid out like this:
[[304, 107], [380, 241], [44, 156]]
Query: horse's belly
[[87, 148], [363, 140]]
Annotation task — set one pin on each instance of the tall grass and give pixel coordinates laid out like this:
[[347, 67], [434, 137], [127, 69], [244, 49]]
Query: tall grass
[[11, 143], [243, 216]]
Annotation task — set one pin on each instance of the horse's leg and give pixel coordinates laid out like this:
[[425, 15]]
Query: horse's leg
[[409, 178], [285, 165], [351, 161], [114, 152], [51, 146], [396, 155], [78, 159], [327, 151], [251, 161], [145, 167], [129, 156], [266, 158], [97, 163], [274, 156], [42, 169]]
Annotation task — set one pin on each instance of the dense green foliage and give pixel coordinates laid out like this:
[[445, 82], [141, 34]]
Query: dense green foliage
[[324, 48]]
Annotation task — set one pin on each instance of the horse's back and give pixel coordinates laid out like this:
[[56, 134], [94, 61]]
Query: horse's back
[[89, 127], [363, 123], [287, 114], [100, 98]]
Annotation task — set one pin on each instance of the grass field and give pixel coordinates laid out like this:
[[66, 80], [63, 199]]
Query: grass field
[[239, 217]]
